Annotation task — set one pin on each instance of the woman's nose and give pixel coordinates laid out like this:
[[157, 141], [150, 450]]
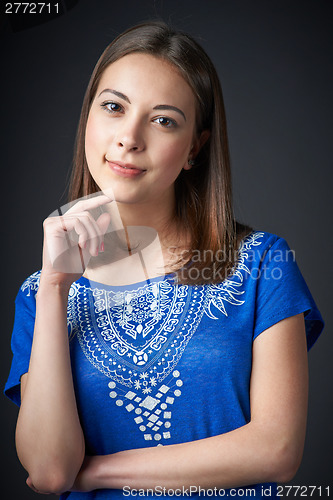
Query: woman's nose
[[130, 137]]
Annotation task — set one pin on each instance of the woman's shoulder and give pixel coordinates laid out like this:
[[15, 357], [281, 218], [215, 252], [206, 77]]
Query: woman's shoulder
[[30, 285], [259, 249], [252, 237], [25, 300]]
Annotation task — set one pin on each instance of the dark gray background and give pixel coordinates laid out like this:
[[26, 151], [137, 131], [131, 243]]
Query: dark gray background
[[274, 59]]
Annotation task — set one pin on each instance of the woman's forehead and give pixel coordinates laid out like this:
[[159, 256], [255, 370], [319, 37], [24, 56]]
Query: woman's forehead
[[144, 75]]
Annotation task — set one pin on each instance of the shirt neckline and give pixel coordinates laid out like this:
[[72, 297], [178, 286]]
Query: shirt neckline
[[96, 284]]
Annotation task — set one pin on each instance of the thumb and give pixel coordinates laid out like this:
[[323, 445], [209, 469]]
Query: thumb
[[103, 222]]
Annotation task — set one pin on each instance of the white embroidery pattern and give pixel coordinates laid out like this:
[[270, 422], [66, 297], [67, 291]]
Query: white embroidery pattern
[[152, 413], [31, 283], [127, 333], [136, 337], [230, 288]]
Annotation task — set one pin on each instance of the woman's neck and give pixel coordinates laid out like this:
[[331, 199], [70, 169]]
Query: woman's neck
[[159, 217], [143, 244]]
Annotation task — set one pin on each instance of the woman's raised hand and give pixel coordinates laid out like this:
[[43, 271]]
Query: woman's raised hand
[[71, 239]]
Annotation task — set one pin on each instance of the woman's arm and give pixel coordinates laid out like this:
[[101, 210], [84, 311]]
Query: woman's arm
[[49, 437], [268, 449]]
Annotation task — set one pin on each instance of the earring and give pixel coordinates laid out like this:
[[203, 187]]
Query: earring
[[190, 162]]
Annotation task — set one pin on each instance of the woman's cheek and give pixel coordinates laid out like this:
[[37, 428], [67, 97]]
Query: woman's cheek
[[175, 154], [95, 139]]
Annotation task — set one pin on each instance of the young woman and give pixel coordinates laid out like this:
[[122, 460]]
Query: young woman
[[162, 347]]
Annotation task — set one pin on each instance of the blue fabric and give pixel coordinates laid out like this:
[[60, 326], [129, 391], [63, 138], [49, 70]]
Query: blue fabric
[[156, 363]]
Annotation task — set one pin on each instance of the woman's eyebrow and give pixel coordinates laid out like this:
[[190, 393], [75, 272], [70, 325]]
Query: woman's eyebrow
[[159, 106], [118, 94], [167, 106]]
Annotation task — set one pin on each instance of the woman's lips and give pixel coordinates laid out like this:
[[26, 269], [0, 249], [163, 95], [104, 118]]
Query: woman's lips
[[125, 169]]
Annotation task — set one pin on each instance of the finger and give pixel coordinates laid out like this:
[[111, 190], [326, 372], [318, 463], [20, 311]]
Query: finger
[[85, 227], [89, 204], [89, 233], [79, 229], [82, 232], [103, 222]]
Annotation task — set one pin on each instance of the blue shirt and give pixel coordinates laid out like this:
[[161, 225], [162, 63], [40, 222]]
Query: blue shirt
[[157, 363]]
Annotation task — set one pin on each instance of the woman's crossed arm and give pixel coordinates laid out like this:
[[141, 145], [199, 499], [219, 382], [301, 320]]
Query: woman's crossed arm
[[268, 449]]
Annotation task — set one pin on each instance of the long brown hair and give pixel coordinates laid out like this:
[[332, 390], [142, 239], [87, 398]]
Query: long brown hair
[[203, 193]]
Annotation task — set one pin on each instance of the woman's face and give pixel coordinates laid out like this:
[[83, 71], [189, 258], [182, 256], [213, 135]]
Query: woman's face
[[141, 129]]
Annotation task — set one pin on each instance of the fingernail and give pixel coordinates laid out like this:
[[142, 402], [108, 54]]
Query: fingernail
[[102, 247]]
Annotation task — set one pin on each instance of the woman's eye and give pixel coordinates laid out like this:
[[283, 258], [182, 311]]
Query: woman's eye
[[112, 107], [165, 122]]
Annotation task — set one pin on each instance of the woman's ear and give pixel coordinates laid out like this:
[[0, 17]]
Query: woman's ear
[[197, 145], [199, 142]]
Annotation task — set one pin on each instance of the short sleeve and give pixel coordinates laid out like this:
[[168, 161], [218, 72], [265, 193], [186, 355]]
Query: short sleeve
[[25, 310], [282, 292]]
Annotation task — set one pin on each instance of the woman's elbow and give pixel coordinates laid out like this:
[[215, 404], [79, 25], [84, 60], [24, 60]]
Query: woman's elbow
[[50, 482], [285, 462], [52, 474], [52, 471]]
